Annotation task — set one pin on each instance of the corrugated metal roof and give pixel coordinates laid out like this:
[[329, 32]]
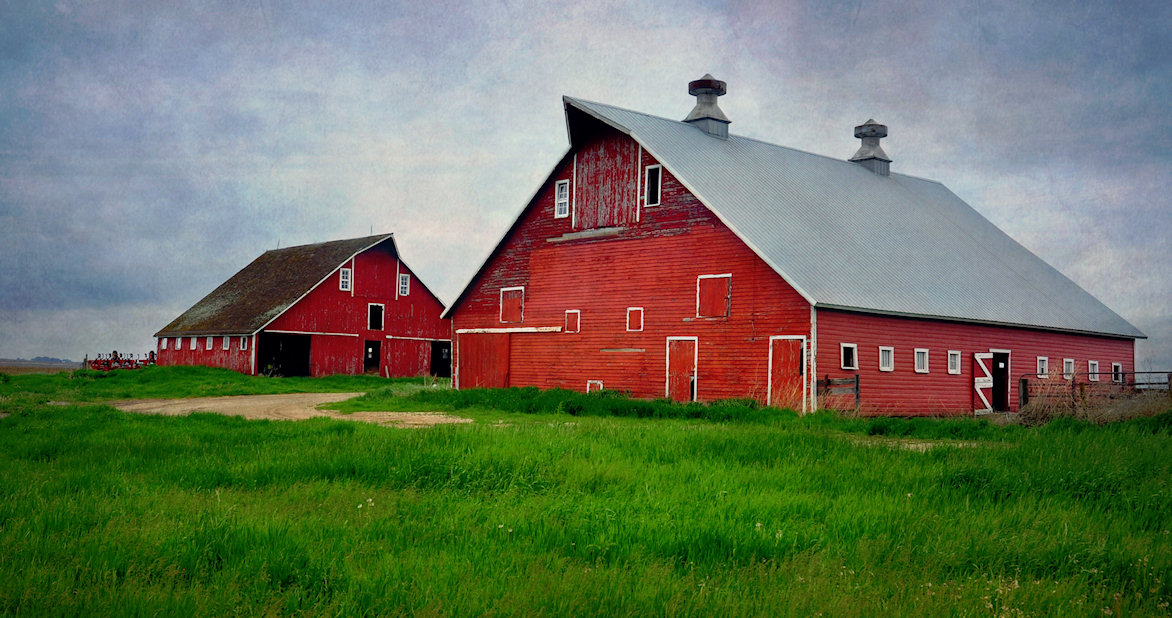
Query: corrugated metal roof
[[846, 237], [268, 286]]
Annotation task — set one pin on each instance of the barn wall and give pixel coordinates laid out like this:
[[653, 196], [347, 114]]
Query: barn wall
[[233, 358], [903, 391], [332, 354], [652, 263]]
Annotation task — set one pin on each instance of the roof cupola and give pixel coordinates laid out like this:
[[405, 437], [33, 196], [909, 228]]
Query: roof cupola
[[707, 115], [870, 154]]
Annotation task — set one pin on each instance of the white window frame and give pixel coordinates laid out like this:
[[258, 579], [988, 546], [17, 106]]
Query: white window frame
[[178, 344], [658, 185], [208, 344], [1043, 367], [561, 208], [639, 311], [593, 385], [916, 360], [1117, 376], [728, 300], [890, 349], [194, 343], [162, 343], [954, 354], [244, 343], [345, 280], [404, 284], [854, 347], [566, 324], [227, 343], [1093, 370], [501, 304], [1068, 369], [382, 326]]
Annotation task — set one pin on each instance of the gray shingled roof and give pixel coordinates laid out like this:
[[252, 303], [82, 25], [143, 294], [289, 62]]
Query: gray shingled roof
[[267, 287], [845, 237]]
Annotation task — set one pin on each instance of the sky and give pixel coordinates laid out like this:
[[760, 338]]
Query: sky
[[149, 150]]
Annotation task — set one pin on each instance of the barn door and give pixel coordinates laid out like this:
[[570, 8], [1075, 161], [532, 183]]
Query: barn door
[[483, 360], [787, 372], [982, 383], [681, 369]]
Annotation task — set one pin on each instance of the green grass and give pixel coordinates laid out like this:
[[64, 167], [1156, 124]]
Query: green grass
[[534, 510]]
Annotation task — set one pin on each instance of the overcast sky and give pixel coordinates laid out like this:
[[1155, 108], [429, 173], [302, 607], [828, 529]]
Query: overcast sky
[[149, 152]]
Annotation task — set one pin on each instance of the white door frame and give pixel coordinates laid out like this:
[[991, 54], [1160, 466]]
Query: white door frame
[[695, 366], [805, 369], [982, 380]]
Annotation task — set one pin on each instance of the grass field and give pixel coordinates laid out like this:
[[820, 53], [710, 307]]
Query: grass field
[[556, 504]]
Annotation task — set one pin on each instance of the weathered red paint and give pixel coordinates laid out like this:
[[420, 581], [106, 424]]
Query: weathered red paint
[[787, 368], [681, 369]]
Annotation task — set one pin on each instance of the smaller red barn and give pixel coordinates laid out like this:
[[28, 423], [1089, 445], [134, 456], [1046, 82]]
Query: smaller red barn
[[346, 306]]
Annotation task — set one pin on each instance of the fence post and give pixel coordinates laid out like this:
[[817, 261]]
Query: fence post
[[1023, 392], [858, 402], [1170, 385]]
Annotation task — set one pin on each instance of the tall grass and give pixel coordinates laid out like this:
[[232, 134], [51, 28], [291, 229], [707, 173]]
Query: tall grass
[[551, 513]]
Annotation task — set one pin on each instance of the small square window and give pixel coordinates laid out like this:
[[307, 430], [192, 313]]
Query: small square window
[[954, 362], [208, 344], [634, 319], [513, 304], [573, 320], [886, 359], [374, 316], [850, 355], [344, 280], [921, 360], [163, 343], [1093, 371], [651, 187], [193, 344], [1068, 369], [1117, 373], [404, 284], [561, 200], [593, 385], [713, 296], [1043, 367], [244, 343], [227, 343]]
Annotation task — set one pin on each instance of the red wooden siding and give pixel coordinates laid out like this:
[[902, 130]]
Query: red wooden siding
[[486, 360], [787, 377], [233, 358], [606, 190], [681, 369], [903, 391], [712, 296], [512, 305]]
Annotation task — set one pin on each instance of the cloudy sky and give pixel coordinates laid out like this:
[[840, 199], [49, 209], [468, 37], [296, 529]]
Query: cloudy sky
[[149, 150]]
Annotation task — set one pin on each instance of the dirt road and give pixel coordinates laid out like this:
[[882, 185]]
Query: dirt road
[[293, 407]]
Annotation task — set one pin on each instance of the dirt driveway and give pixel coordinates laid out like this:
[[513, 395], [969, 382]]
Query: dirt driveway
[[293, 407]]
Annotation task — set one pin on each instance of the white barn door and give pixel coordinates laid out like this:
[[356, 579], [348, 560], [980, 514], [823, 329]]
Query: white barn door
[[982, 383]]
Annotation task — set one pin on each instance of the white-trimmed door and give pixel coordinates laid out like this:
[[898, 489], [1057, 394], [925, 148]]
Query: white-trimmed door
[[787, 372]]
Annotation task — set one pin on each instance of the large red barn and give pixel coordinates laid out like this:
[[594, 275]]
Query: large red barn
[[671, 259], [347, 306]]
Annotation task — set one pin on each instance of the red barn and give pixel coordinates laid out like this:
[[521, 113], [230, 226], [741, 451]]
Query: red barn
[[347, 306], [671, 259]]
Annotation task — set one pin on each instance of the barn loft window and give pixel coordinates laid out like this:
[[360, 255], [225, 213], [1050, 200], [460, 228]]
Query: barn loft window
[[561, 200], [634, 319], [1093, 371], [573, 320], [1117, 373], [179, 343], [849, 352], [921, 360], [1043, 367], [227, 343], [243, 343], [954, 362], [652, 185], [593, 385], [374, 316], [404, 284], [513, 304], [713, 295], [886, 359], [163, 343], [344, 281]]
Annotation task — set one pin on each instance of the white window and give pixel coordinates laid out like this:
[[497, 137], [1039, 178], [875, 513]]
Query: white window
[[921, 360], [850, 355], [652, 185], [634, 319], [573, 320], [1093, 371], [954, 362], [163, 343], [344, 281], [374, 316], [243, 343], [1068, 368], [593, 385], [179, 343], [886, 359], [404, 284], [1117, 373], [1043, 366], [227, 342], [193, 344], [208, 343], [561, 200]]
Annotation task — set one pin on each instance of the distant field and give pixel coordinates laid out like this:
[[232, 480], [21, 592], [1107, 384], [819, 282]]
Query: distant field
[[12, 367], [563, 504]]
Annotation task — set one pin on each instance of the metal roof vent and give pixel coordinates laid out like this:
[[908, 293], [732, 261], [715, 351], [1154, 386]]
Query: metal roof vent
[[870, 154], [707, 115]]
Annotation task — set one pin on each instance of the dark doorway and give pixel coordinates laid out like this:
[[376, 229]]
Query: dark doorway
[[1000, 371], [441, 359], [370, 356], [282, 355]]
